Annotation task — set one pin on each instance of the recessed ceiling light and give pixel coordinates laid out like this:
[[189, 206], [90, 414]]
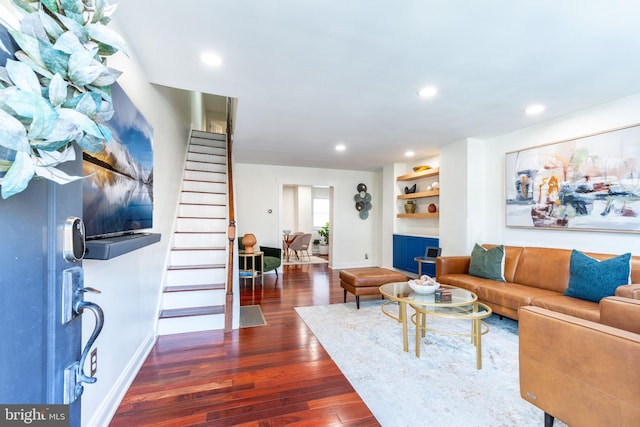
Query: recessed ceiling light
[[340, 147], [534, 109], [409, 153], [428, 91], [211, 59]]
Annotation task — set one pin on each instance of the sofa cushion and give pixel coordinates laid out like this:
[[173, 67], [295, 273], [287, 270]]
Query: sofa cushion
[[593, 280], [509, 295], [567, 305], [487, 263], [459, 280], [545, 268]]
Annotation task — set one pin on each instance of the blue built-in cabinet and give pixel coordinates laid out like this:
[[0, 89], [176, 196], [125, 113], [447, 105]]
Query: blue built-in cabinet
[[406, 248]]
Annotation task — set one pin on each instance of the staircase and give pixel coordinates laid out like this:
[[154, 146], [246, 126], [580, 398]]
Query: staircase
[[194, 294]]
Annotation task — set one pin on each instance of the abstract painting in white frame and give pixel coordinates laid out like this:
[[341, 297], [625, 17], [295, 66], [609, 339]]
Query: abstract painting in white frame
[[586, 183]]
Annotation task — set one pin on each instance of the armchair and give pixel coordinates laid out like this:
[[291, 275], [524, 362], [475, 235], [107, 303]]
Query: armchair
[[272, 257], [580, 371]]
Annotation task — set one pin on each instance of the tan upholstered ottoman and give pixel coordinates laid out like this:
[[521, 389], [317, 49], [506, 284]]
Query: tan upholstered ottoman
[[367, 281]]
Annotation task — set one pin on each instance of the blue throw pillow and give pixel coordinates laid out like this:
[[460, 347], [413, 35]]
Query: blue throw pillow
[[592, 280], [487, 263]]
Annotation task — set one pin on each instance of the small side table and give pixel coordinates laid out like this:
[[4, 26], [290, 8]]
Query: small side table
[[423, 260], [250, 271]]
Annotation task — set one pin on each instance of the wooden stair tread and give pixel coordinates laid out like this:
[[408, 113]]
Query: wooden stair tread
[[202, 180], [200, 170], [206, 163], [201, 217], [202, 192], [195, 267], [191, 311], [200, 232], [202, 204], [216, 136], [212, 150], [199, 248], [189, 288]]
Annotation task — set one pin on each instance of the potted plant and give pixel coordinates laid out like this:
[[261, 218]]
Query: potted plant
[[316, 244], [324, 244]]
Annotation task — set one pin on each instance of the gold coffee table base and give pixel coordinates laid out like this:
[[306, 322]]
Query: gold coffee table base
[[464, 305], [475, 314]]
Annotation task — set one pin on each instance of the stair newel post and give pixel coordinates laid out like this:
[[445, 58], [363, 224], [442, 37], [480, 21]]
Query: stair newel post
[[228, 310], [231, 231]]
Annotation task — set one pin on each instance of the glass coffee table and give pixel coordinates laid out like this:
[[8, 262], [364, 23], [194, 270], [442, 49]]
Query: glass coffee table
[[464, 305]]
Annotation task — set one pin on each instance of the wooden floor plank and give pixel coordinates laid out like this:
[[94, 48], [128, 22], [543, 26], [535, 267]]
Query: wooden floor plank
[[272, 375]]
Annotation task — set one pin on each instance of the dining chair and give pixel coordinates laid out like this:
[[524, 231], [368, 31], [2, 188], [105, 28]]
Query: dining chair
[[288, 240], [301, 245]]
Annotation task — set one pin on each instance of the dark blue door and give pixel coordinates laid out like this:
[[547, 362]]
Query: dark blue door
[[37, 345]]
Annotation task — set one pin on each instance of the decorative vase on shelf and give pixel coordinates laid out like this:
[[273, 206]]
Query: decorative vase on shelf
[[410, 206], [248, 241]]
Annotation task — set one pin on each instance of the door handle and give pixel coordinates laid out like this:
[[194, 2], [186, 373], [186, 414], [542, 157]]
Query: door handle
[[79, 308], [74, 375]]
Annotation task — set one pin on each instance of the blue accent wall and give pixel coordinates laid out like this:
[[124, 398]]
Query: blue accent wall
[[406, 248]]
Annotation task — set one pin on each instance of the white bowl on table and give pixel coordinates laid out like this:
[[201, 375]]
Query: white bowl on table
[[423, 286]]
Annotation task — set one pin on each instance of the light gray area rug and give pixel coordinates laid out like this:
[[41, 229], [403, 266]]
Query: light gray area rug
[[443, 387], [304, 260]]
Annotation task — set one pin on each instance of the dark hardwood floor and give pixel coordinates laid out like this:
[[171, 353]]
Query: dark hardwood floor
[[271, 375]]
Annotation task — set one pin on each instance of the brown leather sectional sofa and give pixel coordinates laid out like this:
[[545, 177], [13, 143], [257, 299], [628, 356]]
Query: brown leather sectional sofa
[[534, 276], [576, 357]]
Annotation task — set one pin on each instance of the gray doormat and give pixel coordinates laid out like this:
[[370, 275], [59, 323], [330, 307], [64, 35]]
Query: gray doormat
[[251, 315]]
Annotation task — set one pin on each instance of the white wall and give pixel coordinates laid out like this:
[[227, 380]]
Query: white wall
[[289, 212], [131, 284], [454, 203], [305, 211], [296, 211], [198, 115], [459, 233], [259, 188]]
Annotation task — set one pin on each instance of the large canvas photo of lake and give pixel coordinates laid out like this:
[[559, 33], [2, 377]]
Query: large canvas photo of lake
[[118, 190], [587, 183]]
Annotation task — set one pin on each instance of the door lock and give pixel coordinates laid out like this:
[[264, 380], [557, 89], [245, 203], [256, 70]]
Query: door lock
[[74, 243], [74, 305]]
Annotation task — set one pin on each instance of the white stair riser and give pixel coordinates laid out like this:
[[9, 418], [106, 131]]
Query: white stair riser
[[202, 211], [180, 325], [205, 176], [200, 240], [219, 141], [201, 149], [205, 187], [201, 276], [204, 198], [192, 299], [185, 258], [207, 157], [201, 225], [207, 167]]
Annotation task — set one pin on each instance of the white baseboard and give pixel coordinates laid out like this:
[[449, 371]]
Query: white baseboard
[[105, 412]]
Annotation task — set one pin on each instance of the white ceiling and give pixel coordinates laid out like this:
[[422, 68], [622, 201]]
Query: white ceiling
[[314, 73]]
